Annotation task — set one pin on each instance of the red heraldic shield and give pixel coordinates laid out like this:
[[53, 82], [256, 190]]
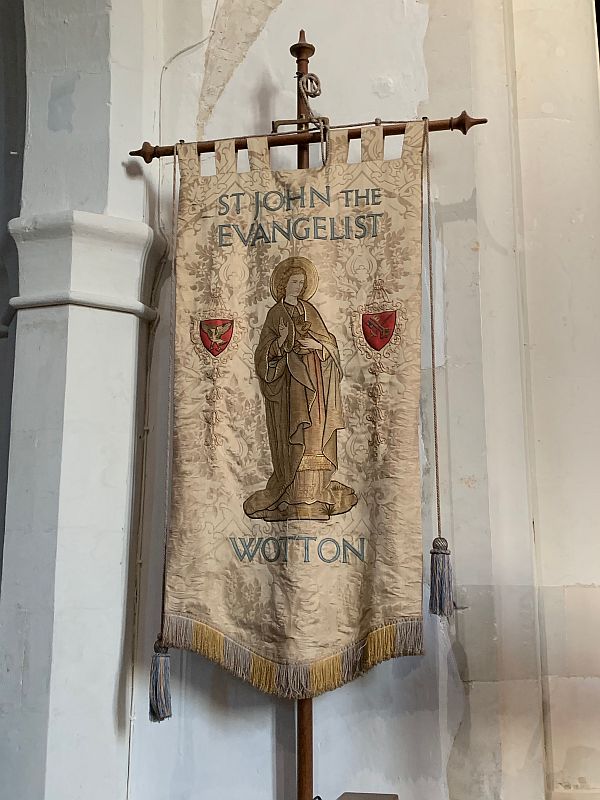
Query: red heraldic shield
[[215, 335], [378, 328]]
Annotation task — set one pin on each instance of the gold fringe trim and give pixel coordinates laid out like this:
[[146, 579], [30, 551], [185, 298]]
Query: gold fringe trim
[[263, 674], [380, 645], [209, 642], [403, 637], [326, 674]]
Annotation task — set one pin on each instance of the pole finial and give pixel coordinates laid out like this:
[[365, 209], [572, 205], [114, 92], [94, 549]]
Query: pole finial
[[464, 122], [302, 50]]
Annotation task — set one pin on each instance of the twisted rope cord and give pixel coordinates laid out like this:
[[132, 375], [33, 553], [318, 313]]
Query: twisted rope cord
[[169, 464], [310, 86], [436, 449]]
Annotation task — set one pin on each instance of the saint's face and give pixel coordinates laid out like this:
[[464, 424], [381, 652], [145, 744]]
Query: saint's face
[[295, 285]]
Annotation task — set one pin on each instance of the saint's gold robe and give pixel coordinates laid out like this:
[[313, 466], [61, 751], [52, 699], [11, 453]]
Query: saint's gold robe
[[301, 390]]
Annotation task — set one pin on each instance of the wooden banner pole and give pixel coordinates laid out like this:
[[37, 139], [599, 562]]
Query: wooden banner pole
[[463, 123], [304, 749], [302, 51]]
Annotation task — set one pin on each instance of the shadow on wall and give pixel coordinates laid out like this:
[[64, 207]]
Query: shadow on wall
[[13, 101]]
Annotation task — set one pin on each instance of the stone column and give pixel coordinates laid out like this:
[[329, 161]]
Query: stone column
[[63, 716], [65, 633]]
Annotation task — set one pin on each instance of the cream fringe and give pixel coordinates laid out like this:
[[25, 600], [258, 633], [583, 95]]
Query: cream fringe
[[403, 637]]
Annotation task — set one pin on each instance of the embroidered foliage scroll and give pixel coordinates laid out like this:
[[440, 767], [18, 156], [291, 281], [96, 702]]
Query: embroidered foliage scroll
[[294, 554]]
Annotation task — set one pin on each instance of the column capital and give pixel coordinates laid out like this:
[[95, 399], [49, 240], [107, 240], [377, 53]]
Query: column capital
[[81, 258]]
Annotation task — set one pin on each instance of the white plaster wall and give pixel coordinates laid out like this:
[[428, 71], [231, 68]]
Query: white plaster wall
[[559, 130], [68, 86]]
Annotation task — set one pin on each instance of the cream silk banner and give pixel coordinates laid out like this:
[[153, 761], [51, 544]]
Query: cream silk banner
[[294, 552]]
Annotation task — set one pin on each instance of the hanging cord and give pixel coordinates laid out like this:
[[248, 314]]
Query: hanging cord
[[160, 670], [172, 310], [164, 260], [436, 448], [169, 464], [159, 694], [310, 86], [172, 303], [441, 599]]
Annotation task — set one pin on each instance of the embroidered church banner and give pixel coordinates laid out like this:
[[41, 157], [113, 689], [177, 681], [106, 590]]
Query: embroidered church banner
[[294, 553]]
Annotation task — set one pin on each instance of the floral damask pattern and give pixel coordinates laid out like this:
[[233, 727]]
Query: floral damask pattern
[[317, 596]]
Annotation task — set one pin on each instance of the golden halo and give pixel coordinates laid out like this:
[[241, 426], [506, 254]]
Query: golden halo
[[288, 265]]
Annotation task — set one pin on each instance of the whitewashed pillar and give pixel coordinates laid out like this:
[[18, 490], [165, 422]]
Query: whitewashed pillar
[[63, 704], [66, 597]]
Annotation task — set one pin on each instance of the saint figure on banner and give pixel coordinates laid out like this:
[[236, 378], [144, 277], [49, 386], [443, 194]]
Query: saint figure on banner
[[298, 367]]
